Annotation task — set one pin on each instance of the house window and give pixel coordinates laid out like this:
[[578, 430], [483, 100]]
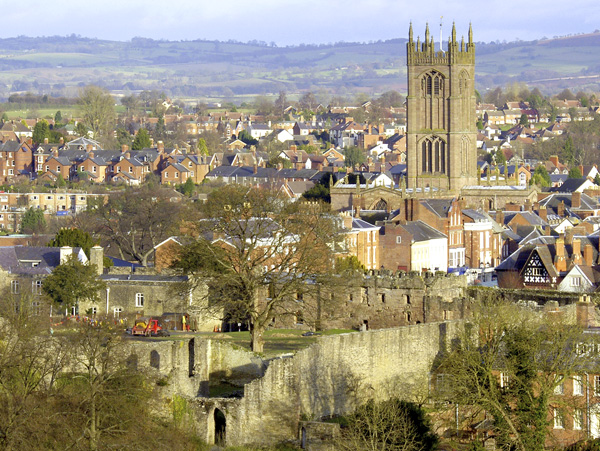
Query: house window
[[504, 380], [560, 388], [398, 240], [139, 299], [11, 172], [36, 308], [36, 286], [577, 385], [117, 312], [578, 419], [93, 168], [166, 175], [130, 169], [47, 168], [576, 281], [94, 311], [176, 175], [597, 385], [559, 420], [14, 287]]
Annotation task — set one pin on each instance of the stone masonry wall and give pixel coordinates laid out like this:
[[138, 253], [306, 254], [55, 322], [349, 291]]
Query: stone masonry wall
[[328, 378]]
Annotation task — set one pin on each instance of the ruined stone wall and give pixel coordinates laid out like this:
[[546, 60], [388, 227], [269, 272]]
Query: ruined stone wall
[[381, 299], [331, 377]]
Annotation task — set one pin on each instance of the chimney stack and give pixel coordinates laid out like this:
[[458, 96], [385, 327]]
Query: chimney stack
[[588, 255], [97, 259], [560, 210], [500, 217], [543, 213], [576, 199], [64, 253], [124, 148], [576, 255], [569, 233], [560, 262], [89, 147]]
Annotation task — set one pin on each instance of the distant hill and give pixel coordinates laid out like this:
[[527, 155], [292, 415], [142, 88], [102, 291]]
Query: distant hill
[[212, 69]]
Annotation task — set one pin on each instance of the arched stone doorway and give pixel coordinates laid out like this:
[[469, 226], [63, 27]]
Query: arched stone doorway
[[220, 427], [191, 357], [155, 359]]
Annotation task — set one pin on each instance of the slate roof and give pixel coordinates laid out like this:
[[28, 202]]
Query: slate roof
[[421, 231], [569, 185], [440, 207], [553, 200], [476, 216], [21, 259], [359, 224]]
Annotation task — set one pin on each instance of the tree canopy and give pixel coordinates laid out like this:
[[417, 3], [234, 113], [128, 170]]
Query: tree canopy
[[541, 177], [33, 221], [74, 238], [508, 361], [97, 108], [133, 221], [72, 282], [254, 241], [142, 140]]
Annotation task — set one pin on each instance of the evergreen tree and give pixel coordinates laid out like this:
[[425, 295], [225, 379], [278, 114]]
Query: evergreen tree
[[202, 147], [41, 131], [73, 238], [33, 221], [60, 181], [569, 151], [142, 140], [575, 173]]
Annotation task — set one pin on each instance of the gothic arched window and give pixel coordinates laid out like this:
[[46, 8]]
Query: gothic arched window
[[433, 84], [433, 155]]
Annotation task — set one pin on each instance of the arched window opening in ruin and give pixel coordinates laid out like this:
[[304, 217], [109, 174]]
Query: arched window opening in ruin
[[132, 362], [155, 359], [191, 357], [381, 205], [408, 317], [220, 428]]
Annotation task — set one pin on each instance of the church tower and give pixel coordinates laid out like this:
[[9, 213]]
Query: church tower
[[441, 124]]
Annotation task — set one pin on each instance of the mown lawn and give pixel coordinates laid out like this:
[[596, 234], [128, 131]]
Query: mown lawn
[[277, 342]]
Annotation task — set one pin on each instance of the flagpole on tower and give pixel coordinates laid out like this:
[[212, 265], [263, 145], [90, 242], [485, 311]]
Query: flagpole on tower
[[441, 47]]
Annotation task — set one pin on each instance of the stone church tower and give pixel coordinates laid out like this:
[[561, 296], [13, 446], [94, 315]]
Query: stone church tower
[[441, 124]]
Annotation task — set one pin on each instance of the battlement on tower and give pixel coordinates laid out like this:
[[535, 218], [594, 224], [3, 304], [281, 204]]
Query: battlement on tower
[[423, 53]]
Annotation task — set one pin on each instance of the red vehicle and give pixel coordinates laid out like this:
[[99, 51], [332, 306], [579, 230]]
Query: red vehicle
[[148, 327]]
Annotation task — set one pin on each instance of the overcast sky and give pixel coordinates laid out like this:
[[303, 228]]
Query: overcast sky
[[297, 21]]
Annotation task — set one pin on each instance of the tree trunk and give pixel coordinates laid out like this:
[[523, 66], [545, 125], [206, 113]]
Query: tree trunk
[[93, 429], [256, 336]]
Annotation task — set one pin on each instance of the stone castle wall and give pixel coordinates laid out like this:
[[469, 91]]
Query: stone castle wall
[[330, 377]]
